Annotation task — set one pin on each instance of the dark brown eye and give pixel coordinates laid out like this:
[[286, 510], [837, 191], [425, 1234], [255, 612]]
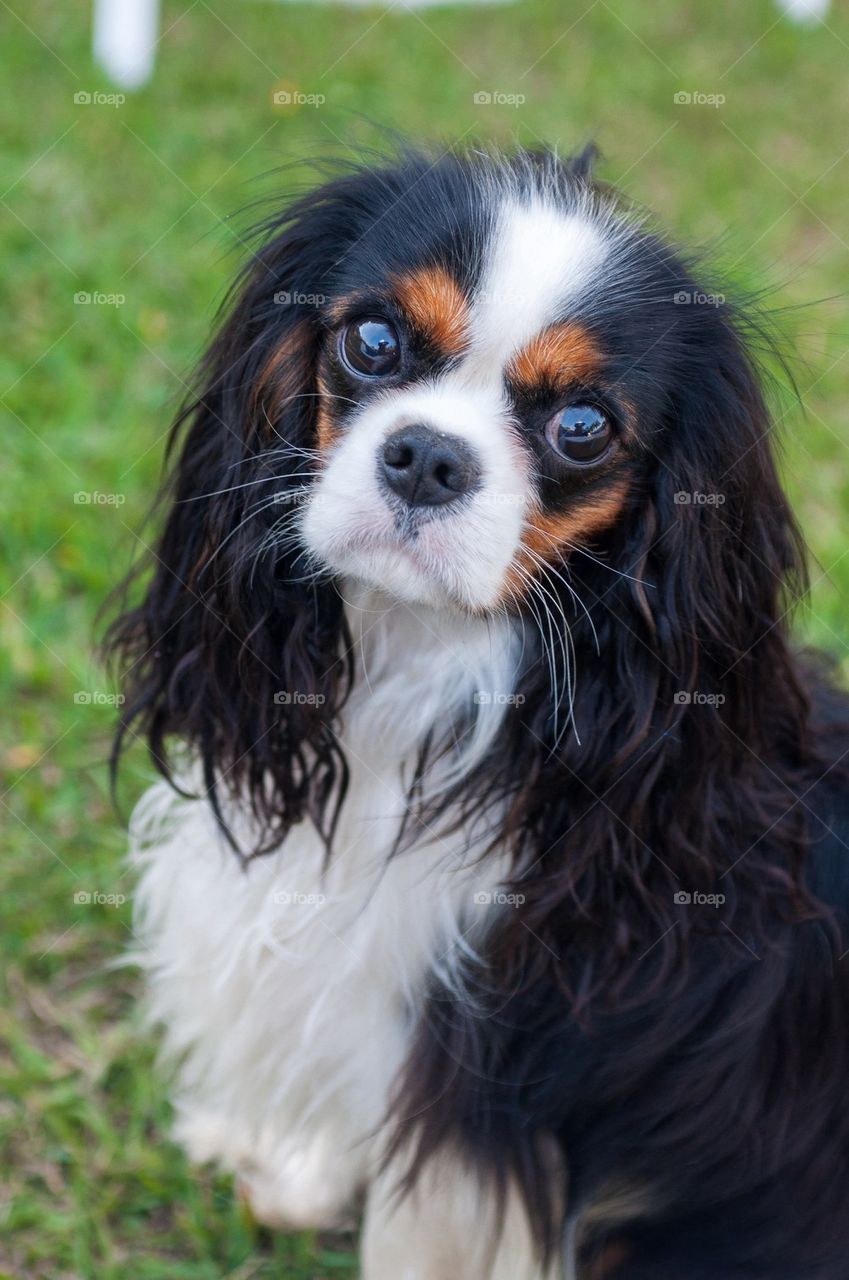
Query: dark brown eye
[[580, 433], [371, 347]]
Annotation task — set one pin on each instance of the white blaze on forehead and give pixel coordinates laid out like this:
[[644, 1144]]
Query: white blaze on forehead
[[540, 257]]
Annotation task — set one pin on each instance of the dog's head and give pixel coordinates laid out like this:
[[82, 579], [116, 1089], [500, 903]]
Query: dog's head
[[481, 362], [476, 409], [482, 385]]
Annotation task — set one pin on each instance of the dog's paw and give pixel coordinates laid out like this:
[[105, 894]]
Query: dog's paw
[[290, 1184], [207, 1138], [298, 1189]]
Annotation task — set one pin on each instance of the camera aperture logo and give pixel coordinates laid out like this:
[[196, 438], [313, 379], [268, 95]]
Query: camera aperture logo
[[295, 698]]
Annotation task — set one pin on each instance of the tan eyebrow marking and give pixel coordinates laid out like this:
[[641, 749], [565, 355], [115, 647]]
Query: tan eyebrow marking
[[555, 358], [436, 305]]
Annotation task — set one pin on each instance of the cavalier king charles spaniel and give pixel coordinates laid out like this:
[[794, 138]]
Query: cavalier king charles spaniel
[[496, 886]]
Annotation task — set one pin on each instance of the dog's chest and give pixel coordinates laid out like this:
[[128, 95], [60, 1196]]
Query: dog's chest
[[291, 987]]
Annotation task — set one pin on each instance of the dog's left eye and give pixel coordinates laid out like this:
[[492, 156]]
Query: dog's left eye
[[371, 347], [579, 433]]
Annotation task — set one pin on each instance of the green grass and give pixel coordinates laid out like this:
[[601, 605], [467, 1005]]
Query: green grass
[[133, 200]]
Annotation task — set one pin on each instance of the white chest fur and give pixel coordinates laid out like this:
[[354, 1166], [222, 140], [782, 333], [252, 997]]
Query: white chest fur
[[287, 991]]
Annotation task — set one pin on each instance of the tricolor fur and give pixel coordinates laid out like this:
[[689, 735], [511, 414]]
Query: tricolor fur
[[468, 633]]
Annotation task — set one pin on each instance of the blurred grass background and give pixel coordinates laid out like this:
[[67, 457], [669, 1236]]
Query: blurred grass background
[[134, 200]]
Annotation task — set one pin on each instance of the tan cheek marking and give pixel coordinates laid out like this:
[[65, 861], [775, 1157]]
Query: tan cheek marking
[[436, 305], [550, 537], [556, 358], [550, 534]]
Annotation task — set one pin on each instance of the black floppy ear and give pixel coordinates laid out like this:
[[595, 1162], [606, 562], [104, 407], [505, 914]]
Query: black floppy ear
[[233, 650], [723, 548], [696, 633], [693, 715]]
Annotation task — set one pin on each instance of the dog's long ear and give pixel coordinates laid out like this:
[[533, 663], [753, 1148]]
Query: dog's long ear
[[233, 650], [718, 707], [692, 715], [722, 548], [719, 737]]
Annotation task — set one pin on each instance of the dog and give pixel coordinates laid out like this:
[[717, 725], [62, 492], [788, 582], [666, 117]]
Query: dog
[[494, 890]]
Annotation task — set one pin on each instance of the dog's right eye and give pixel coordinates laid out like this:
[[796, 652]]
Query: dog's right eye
[[371, 347]]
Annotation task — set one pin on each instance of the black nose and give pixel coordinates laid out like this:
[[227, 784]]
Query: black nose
[[427, 468]]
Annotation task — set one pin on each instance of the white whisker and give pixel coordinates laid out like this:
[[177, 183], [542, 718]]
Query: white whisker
[[270, 479], [549, 569]]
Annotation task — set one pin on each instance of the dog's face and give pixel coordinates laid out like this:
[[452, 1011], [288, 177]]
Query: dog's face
[[476, 377], [468, 420], [479, 360]]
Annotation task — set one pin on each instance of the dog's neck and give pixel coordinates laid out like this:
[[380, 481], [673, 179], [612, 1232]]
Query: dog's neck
[[426, 674]]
